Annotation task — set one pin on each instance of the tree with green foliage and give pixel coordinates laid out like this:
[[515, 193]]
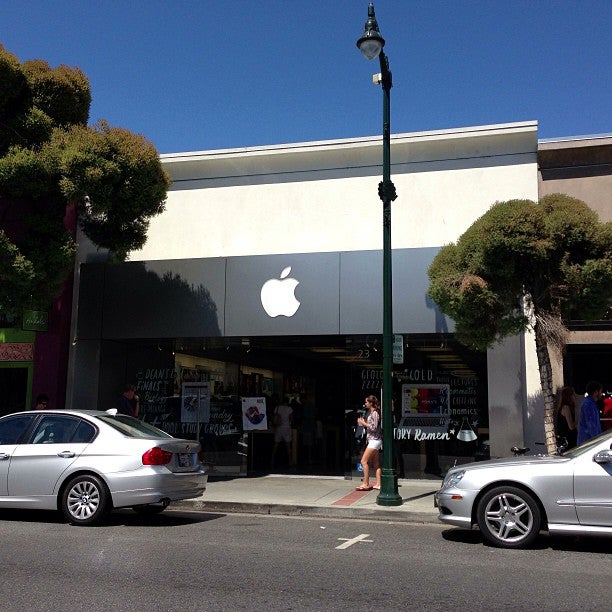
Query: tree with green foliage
[[526, 265], [51, 160]]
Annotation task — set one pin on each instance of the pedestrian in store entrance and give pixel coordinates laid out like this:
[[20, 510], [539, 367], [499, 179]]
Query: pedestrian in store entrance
[[371, 454], [565, 417], [42, 402], [398, 459], [589, 424], [283, 415], [128, 402]]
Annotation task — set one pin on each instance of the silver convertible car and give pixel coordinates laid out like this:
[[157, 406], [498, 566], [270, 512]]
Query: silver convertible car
[[512, 499], [85, 463]]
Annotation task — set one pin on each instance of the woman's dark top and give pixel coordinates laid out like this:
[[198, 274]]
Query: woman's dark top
[[563, 430]]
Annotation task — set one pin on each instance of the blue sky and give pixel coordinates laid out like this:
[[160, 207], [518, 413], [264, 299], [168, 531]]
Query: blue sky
[[194, 75]]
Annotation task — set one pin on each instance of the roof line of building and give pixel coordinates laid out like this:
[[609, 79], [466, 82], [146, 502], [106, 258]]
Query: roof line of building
[[322, 144], [575, 138]]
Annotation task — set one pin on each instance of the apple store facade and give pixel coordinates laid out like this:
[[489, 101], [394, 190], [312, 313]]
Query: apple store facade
[[261, 284]]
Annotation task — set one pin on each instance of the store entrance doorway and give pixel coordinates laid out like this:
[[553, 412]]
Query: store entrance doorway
[[585, 362], [13, 388]]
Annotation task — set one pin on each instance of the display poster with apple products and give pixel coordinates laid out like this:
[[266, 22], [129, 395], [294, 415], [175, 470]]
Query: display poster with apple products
[[425, 399], [195, 402], [424, 405], [254, 413]]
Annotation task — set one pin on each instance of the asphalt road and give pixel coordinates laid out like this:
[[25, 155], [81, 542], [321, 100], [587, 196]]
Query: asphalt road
[[199, 561]]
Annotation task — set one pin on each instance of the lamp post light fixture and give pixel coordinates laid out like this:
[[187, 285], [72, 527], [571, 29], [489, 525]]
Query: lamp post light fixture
[[371, 45]]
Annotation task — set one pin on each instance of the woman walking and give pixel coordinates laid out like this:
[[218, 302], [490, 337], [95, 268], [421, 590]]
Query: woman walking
[[371, 454]]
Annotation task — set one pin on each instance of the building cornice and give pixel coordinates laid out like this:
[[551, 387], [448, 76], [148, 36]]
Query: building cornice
[[459, 143]]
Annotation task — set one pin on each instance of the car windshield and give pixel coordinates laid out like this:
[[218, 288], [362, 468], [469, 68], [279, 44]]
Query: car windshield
[[585, 447], [131, 427]]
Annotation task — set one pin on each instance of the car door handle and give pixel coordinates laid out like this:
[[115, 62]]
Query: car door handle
[[4, 456], [66, 454]]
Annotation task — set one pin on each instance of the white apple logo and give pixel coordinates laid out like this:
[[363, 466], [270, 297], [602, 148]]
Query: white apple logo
[[277, 296]]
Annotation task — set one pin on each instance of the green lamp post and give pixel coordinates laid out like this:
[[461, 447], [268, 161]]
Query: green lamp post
[[371, 45]]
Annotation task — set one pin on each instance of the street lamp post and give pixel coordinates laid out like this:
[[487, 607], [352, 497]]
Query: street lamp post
[[371, 45]]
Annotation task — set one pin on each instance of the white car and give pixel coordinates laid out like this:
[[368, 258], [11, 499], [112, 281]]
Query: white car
[[85, 463], [512, 499]]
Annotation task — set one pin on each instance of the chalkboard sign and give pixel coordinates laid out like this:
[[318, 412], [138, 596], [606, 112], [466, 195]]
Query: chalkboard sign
[[154, 386]]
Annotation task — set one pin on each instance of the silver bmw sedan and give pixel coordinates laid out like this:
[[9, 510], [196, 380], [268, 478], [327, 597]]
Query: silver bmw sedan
[[86, 463]]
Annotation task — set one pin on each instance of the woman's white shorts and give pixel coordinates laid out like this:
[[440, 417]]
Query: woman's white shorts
[[375, 444], [282, 434]]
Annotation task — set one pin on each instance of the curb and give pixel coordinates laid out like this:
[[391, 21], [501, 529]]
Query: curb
[[396, 516]]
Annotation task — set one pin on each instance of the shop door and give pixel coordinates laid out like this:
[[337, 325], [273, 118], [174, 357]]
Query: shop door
[[13, 388]]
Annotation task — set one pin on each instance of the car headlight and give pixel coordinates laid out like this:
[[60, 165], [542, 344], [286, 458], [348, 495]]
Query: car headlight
[[453, 479]]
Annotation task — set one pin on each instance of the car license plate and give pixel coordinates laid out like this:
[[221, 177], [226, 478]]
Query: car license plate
[[185, 459]]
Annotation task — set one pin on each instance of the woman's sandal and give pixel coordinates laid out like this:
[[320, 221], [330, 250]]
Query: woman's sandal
[[362, 488]]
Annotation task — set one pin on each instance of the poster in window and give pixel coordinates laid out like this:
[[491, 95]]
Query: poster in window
[[195, 402], [426, 407], [254, 413]]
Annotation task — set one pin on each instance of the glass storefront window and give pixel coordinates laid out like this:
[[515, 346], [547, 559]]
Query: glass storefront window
[[440, 401]]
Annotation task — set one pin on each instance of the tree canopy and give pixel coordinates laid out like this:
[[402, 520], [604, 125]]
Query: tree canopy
[[50, 160], [553, 256], [524, 265]]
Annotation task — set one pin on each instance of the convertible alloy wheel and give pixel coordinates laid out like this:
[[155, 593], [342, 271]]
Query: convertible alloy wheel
[[509, 517], [85, 500]]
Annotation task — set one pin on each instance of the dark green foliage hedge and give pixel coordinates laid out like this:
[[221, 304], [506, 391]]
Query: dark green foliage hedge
[[50, 160]]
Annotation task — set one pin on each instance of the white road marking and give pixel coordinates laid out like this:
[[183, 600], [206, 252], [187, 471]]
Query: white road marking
[[350, 541]]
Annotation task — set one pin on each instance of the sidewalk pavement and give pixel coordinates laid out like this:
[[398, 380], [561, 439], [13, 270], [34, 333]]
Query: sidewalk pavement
[[317, 496]]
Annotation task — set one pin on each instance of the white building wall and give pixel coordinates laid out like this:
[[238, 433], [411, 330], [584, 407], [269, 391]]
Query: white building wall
[[323, 196], [335, 215], [507, 397]]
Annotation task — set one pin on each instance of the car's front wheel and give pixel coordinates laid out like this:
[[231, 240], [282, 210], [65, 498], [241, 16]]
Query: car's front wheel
[[509, 517], [85, 500]]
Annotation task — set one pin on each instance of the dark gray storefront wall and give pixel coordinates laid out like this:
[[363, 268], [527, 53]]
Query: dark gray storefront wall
[[338, 293], [152, 299], [317, 293], [361, 292]]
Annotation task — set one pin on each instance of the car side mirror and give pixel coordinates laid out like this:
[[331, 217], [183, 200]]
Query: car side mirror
[[604, 456]]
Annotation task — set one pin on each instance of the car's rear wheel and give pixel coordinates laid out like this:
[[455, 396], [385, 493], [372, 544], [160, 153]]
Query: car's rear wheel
[[509, 517], [85, 500], [150, 509]]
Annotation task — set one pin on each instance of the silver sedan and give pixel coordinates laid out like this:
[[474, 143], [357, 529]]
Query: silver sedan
[[512, 499], [85, 463]]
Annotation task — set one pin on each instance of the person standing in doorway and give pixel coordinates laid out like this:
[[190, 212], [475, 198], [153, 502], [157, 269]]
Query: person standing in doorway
[[372, 425], [42, 402], [308, 429], [128, 402], [606, 413], [589, 424], [283, 415], [565, 417], [398, 459]]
